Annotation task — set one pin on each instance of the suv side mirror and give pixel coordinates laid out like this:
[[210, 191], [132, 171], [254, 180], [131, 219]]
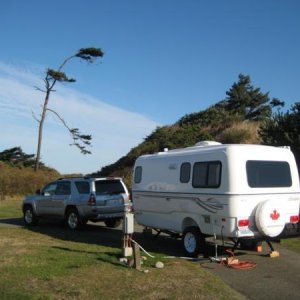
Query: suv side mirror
[[38, 192]]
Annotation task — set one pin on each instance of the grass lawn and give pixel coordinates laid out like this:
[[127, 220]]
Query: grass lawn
[[292, 244], [51, 262], [11, 207]]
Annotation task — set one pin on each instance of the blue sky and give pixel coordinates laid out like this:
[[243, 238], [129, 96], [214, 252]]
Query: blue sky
[[163, 59]]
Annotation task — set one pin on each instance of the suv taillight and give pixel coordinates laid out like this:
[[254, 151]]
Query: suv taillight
[[92, 200]]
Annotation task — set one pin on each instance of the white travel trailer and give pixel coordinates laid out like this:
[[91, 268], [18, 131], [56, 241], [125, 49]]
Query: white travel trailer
[[229, 191]]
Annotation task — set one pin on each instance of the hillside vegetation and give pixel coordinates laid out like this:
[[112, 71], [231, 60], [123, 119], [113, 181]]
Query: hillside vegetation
[[244, 116], [17, 176]]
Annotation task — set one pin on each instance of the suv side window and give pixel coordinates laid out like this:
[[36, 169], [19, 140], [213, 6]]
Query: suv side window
[[49, 190], [63, 188], [83, 187]]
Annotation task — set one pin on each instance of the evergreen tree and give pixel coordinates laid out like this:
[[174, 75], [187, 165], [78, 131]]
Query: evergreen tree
[[52, 77], [283, 129], [16, 156], [249, 102]]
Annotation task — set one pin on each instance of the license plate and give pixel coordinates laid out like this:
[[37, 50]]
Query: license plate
[[114, 202]]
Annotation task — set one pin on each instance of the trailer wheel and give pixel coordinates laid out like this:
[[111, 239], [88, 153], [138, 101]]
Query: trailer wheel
[[193, 241]]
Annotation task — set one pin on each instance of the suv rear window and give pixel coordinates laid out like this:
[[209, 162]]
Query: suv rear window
[[263, 174], [104, 187]]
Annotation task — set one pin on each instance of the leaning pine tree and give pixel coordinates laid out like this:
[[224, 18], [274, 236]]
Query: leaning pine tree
[[52, 77]]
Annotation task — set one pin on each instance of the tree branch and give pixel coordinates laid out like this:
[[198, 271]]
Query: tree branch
[[76, 135], [34, 116]]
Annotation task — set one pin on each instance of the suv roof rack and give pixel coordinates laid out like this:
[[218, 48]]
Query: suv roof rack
[[74, 177]]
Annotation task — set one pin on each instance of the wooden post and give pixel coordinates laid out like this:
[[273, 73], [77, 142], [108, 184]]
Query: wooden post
[[137, 257]]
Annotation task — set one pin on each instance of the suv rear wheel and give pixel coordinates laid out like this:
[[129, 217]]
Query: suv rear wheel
[[73, 219]]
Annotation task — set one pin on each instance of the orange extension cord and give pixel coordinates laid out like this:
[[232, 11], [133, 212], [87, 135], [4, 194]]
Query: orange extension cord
[[234, 263]]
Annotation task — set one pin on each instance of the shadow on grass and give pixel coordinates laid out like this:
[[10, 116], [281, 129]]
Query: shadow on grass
[[11, 222], [99, 234], [108, 257]]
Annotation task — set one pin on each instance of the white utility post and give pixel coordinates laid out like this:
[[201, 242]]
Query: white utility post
[[128, 230]]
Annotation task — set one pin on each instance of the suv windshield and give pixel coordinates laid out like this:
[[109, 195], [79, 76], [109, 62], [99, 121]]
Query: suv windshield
[[263, 174], [104, 187]]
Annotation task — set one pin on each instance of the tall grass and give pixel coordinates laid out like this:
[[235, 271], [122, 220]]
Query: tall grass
[[22, 180], [240, 133]]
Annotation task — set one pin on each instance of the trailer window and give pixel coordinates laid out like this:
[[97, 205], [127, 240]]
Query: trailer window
[[185, 172], [263, 174], [207, 174], [138, 174]]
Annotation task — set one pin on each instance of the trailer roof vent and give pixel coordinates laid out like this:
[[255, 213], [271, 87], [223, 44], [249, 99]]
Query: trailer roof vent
[[207, 143]]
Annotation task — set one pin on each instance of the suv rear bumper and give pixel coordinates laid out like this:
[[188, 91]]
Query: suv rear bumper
[[98, 213]]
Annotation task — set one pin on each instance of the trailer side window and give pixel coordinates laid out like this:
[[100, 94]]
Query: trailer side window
[[207, 174], [185, 172], [263, 174], [138, 174]]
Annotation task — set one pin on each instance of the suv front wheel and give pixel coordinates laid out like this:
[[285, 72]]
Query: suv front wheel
[[73, 219], [29, 217]]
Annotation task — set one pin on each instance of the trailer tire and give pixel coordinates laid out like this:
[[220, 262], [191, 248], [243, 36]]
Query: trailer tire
[[193, 241]]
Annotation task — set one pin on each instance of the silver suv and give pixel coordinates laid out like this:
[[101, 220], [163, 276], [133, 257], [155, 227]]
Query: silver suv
[[78, 200]]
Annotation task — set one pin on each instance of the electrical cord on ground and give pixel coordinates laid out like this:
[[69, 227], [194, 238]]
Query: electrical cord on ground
[[234, 263], [230, 262], [132, 240]]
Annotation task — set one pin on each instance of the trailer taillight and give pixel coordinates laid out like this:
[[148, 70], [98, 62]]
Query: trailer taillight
[[243, 223], [294, 219], [92, 200]]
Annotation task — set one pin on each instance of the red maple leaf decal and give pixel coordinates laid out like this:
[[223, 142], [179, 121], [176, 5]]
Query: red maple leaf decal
[[275, 215]]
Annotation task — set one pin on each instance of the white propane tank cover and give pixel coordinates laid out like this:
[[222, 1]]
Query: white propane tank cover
[[128, 223], [269, 218]]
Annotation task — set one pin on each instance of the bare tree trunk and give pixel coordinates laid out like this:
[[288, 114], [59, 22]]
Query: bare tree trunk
[[40, 137]]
